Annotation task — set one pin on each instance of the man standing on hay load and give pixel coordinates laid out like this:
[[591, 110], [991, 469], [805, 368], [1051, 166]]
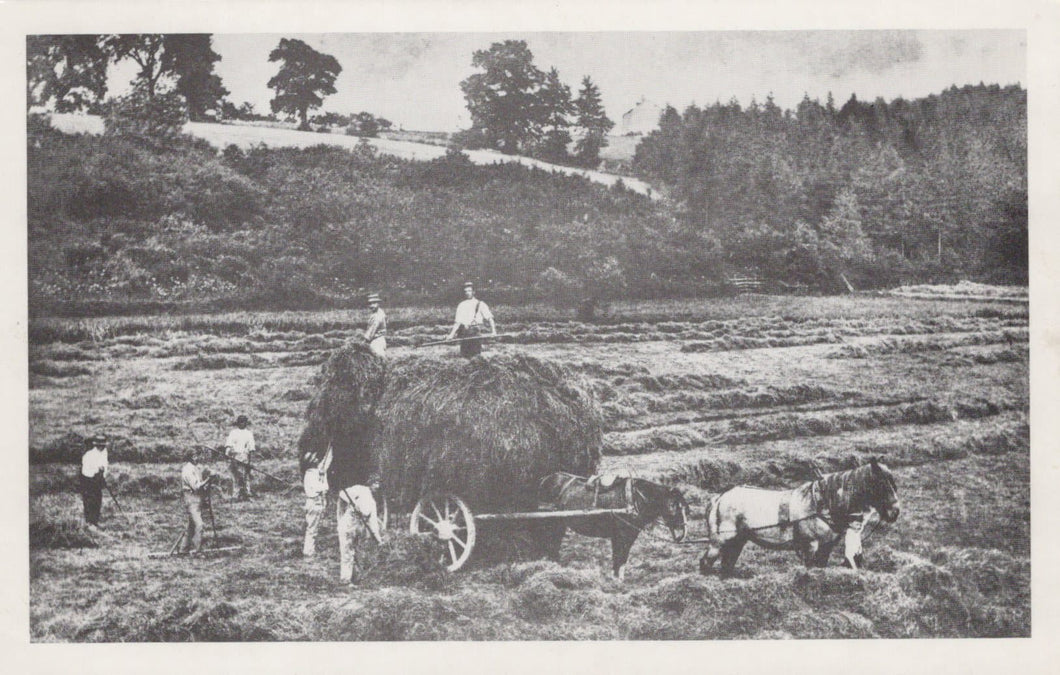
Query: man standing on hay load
[[473, 318], [375, 334], [92, 477], [238, 446]]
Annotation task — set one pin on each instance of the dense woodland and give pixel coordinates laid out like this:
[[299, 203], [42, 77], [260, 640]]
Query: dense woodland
[[139, 218], [933, 187]]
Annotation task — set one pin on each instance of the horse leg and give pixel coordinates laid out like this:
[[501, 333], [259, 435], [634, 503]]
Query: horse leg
[[730, 551], [824, 551], [709, 556], [620, 547], [550, 538], [809, 552]]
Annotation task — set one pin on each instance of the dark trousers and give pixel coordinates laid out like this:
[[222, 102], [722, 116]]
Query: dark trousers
[[92, 497], [240, 479], [469, 348]]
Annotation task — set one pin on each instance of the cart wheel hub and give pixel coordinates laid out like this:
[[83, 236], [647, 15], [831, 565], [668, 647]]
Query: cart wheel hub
[[445, 530]]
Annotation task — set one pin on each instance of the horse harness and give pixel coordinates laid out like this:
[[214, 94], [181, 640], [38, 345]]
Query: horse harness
[[784, 518], [595, 482]]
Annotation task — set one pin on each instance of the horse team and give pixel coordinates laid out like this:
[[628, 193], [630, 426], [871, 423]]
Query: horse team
[[810, 519]]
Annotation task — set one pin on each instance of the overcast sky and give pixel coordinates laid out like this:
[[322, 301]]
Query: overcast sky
[[413, 79]]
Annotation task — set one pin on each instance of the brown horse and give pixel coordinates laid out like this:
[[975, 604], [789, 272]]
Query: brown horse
[[641, 503], [810, 519]]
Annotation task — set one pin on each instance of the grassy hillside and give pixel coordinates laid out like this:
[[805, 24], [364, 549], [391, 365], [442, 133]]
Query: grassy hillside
[[117, 222]]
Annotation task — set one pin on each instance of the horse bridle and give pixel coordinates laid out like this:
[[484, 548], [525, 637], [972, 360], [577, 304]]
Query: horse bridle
[[642, 528]]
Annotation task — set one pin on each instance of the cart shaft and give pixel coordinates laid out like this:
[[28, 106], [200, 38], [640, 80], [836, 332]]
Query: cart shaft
[[544, 515]]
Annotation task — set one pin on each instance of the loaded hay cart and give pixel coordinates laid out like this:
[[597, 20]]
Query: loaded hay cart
[[446, 435], [451, 520]]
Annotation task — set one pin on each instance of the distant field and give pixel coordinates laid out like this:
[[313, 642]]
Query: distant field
[[246, 136], [702, 394]]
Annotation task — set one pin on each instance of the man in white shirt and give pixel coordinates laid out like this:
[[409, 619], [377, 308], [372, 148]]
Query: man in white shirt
[[473, 318], [852, 548], [375, 334], [238, 446], [92, 477], [315, 483], [194, 482]]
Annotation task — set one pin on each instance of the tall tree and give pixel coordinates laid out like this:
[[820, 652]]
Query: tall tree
[[70, 70], [190, 58], [594, 124], [304, 79], [144, 49], [506, 112], [557, 107]]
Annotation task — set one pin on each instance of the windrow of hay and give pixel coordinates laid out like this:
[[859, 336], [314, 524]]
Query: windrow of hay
[[911, 345], [487, 429], [62, 533], [758, 428]]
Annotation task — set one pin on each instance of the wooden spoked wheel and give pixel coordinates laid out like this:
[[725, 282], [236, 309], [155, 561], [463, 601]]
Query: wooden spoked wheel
[[448, 518]]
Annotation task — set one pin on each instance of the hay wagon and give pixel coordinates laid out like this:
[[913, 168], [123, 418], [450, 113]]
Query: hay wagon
[[449, 518]]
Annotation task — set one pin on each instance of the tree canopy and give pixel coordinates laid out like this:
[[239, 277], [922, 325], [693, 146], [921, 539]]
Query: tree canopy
[[593, 123], [70, 70], [504, 102], [305, 77]]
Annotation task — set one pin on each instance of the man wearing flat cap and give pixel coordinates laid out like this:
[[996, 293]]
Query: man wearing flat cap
[[375, 333], [473, 318], [92, 477]]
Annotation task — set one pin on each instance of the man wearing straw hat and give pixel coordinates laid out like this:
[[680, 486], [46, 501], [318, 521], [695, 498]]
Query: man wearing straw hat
[[92, 477], [473, 318], [375, 334]]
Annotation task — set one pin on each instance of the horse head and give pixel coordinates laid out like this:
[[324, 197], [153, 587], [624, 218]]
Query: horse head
[[675, 513], [665, 503], [884, 491]]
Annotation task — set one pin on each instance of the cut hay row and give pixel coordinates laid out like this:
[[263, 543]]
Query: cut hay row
[[1005, 354], [906, 345], [628, 410], [160, 337], [784, 426], [58, 369], [785, 464], [736, 342], [62, 533], [226, 361], [965, 289]]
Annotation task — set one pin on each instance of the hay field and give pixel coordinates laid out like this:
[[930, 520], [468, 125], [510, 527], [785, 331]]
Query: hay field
[[701, 394]]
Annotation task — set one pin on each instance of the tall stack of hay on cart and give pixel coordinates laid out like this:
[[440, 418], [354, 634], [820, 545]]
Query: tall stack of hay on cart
[[341, 416], [486, 429]]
